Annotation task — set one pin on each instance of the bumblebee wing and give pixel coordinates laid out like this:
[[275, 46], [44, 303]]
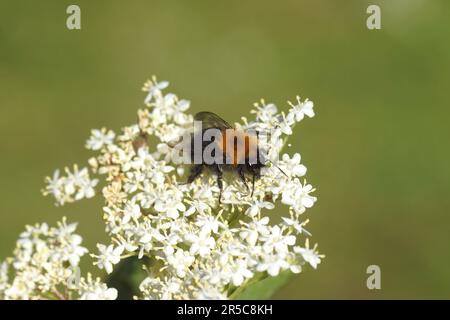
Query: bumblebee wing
[[211, 120]]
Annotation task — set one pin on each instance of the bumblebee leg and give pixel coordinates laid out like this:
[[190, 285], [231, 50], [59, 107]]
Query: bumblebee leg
[[253, 184], [242, 176], [195, 172], [218, 171]]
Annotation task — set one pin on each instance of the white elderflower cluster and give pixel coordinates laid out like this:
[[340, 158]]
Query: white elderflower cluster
[[45, 266], [75, 185], [199, 248], [199, 241], [93, 289]]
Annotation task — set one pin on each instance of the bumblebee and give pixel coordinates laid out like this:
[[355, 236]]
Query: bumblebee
[[230, 149]]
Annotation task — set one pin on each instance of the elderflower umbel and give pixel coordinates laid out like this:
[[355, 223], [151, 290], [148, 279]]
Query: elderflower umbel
[[197, 248], [46, 261]]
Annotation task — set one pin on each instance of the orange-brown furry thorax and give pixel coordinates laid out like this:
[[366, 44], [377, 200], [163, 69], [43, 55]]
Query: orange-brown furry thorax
[[238, 146]]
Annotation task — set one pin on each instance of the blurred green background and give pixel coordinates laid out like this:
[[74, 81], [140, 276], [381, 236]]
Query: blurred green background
[[377, 150]]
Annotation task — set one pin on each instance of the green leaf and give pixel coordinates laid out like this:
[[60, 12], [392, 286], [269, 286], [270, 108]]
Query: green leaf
[[264, 289], [127, 276]]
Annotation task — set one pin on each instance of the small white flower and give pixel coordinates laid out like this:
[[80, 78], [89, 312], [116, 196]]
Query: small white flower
[[296, 225], [131, 211], [292, 166], [251, 231], [240, 272], [265, 113], [86, 189], [54, 185], [298, 196], [285, 125], [95, 290], [148, 196], [201, 244], [154, 88], [99, 139], [273, 263], [309, 255], [277, 241], [169, 204], [301, 109], [180, 260], [196, 206], [208, 224], [108, 256], [256, 207]]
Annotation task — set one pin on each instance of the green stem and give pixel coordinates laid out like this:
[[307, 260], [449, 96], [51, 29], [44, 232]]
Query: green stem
[[236, 292]]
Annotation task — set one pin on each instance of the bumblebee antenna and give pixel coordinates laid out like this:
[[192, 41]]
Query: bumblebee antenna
[[271, 162]]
